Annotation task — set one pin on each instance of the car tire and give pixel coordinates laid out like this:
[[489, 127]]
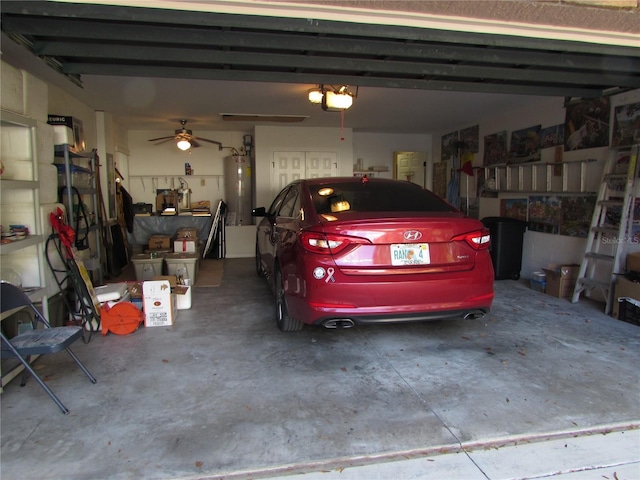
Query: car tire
[[259, 269], [284, 321]]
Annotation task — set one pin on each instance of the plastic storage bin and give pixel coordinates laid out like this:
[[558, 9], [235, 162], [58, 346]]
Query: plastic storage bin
[[629, 310], [147, 265], [182, 265], [539, 281], [80, 177], [507, 235]]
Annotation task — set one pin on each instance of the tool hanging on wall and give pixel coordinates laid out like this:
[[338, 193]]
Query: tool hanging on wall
[[111, 267], [74, 275], [81, 215]]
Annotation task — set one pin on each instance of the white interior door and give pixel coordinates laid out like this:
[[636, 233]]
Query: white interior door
[[321, 164], [285, 168], [410, 166], [289, 166]]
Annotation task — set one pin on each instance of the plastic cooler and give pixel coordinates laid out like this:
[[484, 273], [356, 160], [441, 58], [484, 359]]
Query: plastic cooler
[[147, 265], [182, 265]]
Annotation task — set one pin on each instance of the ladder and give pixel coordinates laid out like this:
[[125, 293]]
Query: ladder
[[603, 257]]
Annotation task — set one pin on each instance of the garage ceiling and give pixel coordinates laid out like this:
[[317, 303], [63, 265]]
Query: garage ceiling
[[90, 42]]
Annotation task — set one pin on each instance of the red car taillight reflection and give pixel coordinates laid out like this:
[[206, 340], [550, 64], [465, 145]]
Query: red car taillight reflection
[[329, 244], [478, 240]]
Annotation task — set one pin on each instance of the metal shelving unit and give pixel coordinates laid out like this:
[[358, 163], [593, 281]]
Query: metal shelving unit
[[20, 205], [87, 160]]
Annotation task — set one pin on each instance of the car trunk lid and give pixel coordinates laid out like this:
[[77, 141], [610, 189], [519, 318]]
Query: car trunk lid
[[403, 244]]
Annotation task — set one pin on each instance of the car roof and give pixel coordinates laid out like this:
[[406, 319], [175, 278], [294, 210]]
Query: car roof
[[335, 180]]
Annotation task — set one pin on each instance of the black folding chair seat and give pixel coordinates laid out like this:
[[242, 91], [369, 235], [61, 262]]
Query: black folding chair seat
[[38, 341]]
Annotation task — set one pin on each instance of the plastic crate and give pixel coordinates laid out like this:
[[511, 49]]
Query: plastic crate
[[629, 310], [538, 281]]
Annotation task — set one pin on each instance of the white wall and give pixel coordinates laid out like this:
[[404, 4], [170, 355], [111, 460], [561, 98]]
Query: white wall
[[153, 166], [376, 149], [539, 249]]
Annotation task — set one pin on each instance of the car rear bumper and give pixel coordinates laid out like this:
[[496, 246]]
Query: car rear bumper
[[333, 321], [442, 297]]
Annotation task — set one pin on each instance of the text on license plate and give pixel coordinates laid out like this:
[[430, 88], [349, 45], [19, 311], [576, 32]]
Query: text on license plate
[[410, 254]]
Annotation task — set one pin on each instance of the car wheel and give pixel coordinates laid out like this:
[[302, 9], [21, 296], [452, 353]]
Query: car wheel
[[285, 322], [259, 269]]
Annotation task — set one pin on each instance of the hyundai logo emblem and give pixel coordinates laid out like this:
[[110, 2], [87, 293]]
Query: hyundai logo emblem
[[412, 235]]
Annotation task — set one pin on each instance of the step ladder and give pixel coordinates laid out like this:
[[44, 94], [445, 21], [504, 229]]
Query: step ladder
[[609, 232]]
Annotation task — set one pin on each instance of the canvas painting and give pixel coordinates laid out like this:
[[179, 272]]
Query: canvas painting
[[545, 213], [440, 179], [587, 124], [552, 136], [495, 148], [514, 208], [470, 138], [525, 145], [626, 125], [576, 215], [449, 145]]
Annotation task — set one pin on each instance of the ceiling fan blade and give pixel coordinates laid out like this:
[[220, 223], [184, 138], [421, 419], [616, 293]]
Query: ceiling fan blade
[[194, 144], [164, 141], [211, 141], [160, 138]]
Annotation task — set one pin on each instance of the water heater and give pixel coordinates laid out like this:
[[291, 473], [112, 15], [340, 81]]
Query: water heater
[[238, 188]]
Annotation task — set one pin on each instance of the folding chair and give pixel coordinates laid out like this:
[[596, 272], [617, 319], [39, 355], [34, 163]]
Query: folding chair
[[38, 341]]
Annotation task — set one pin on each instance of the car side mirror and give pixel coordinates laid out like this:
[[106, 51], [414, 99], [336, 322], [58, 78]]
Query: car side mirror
[[259, 212]]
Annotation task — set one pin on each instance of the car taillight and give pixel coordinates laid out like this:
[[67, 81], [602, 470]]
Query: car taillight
[[479, 240], [329, 244]]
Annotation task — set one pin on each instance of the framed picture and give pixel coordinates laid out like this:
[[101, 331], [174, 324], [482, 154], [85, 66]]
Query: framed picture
[[626, 125], [449, 145], [587, 124], [495, 148], [552, 136], [470, 139], [525, 145]]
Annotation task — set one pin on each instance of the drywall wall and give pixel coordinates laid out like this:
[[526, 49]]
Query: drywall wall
[[539, 249], [376, 149], [154, 166]]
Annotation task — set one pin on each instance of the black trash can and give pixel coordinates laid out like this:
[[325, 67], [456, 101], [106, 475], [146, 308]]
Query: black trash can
[[507, 235]]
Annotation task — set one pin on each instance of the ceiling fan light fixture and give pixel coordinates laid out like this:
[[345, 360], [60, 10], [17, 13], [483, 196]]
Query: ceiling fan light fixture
[[184, 144]]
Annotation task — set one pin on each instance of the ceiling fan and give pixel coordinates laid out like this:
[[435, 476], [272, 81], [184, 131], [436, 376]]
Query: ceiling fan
[[185, 139]]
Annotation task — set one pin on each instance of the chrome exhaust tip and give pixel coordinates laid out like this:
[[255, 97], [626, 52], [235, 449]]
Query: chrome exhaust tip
[[473, 315], [338, 323]]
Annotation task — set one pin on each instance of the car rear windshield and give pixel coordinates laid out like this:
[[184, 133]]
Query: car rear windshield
[[376, 197]]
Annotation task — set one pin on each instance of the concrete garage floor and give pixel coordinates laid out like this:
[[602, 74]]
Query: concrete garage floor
[[539, 388]]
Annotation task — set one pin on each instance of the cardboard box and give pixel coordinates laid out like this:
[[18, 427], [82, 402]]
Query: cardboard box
[[633, 262], [159, 303], [181, 293], [561, 280], [189, 233], [624, 288], [182, 245], [135, 289], [159, 242]]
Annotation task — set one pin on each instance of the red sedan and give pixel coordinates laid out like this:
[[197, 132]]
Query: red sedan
[[341, 251]]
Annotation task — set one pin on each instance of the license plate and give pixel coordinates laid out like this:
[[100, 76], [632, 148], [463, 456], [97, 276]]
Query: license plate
[[410, 254]]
